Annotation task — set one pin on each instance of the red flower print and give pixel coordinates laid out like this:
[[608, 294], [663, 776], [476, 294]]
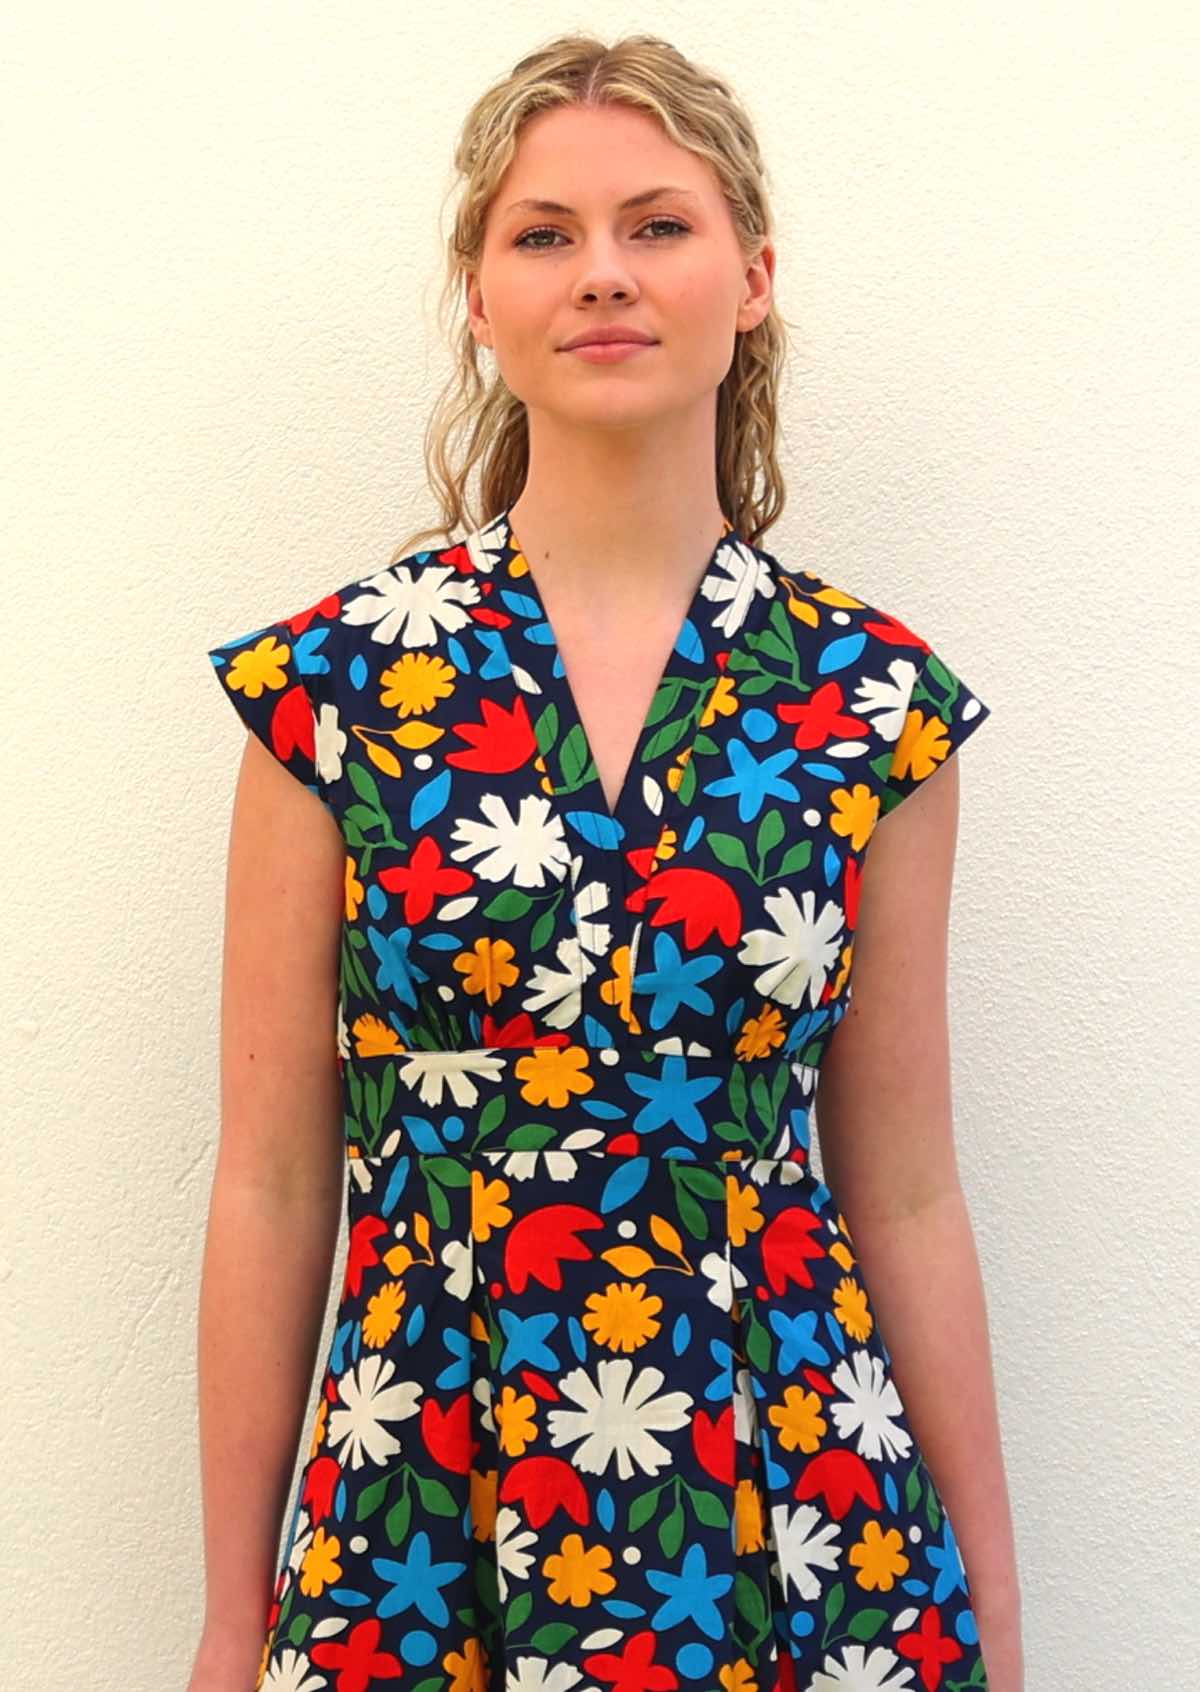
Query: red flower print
[[424, 878], [930, 1647], [359, 1662]]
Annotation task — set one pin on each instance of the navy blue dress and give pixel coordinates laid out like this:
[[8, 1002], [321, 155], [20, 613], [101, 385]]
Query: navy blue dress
[[606, 1404]]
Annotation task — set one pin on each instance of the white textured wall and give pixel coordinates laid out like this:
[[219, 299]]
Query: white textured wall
[[222, 244]]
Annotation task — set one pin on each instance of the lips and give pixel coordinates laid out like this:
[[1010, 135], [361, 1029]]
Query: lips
[[612, 337]]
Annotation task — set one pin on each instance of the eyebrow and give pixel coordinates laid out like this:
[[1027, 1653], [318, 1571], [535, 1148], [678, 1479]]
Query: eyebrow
[[642, 199]]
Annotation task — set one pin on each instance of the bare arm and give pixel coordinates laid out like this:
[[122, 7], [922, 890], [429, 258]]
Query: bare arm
[[885, 1127], [276, 1195]]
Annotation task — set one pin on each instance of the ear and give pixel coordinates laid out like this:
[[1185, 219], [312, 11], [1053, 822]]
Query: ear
[[759, 288], [476, 316]]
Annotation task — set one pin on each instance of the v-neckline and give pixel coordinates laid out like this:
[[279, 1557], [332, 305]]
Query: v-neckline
[[577, 773]]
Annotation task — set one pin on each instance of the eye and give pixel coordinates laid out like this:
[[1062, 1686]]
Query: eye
[[544, 229]]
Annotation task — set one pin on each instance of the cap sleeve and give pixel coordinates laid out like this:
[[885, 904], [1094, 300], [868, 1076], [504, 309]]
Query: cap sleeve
[[940, 713], [271, 676]]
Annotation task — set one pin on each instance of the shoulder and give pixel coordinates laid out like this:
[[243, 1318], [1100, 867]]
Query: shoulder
[[871, 676], [293, 676]]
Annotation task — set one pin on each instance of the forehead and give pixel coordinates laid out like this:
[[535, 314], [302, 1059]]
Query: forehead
[[572, 158]]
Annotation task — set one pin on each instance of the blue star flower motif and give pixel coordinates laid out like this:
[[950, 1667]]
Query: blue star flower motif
[[693, 1594], [674, 982], [417, 1581], [672, 1098], [755, 780]]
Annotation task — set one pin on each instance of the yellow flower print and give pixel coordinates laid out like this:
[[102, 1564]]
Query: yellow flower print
[[855, 813], [922, 746], [842, 1255], [483, 1492], [319, 1421], [742, 1209], [749, 1518], [623, 1317], [552, 1076], [488, 968], [383, 1314], [488, 1209], [416, 682], [737, 1677], [618, 989], [515, 1426], [468, 1669], [799, 1420], [664, 849], [577, 1575], [259, 669], [761, 1034], [354, 890], [375, 1038], [879, 1558], [846, 962], [722, 701], [543, 770], [851, 1308], [676, 773], [320, 1567]]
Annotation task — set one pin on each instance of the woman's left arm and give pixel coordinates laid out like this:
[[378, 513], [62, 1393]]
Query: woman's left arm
[[885, 1130]]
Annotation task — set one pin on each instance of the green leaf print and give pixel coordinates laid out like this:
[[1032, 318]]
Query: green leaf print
[[573, 758], [728, 849], [518, 1612], [644, 1507], [367, 788], [666, 697], [552, 1637], [691, 1215], [865, 1624], [397, 1520], [545, 728], [439, 1205], [542, 932], [371, 1498], [784, 625], [670, 1530], [795, 859], [493, 1114], [738, 1089], [668, 737], [708, 1508], [933, 1512], [770, 832], [435, 1495], [912, 1487], [299, 1630], [530, 1136], [768, 642], [752, 686], [835, 1603], [779, 1087], [758, 1345], [760, 1093], [508, 905], [450, 1171], [705, 1183], [749, 1600]]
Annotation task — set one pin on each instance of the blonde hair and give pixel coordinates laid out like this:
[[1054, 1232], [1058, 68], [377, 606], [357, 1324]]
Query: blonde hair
[[697, 110]]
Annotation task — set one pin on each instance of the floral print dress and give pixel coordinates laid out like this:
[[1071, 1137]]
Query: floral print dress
[[606, 1405]]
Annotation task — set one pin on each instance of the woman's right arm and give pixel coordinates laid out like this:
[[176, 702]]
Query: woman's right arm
[[276, 1197]]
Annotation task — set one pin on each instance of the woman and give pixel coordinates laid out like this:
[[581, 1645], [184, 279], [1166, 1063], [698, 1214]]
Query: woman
[[546, 978]]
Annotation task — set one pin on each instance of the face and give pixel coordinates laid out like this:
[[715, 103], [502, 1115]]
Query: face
[[669, 266]]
